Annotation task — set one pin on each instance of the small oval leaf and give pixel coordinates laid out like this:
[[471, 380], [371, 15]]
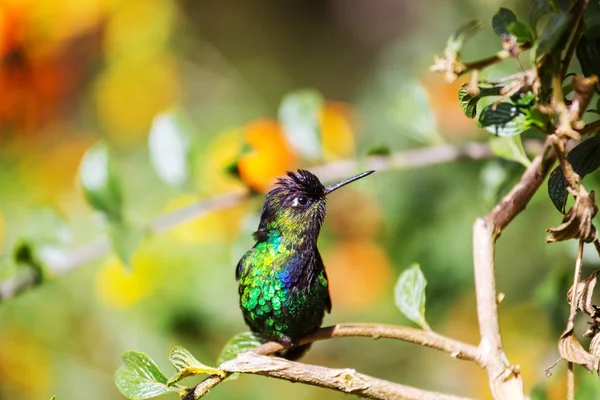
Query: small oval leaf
[[588, 54], [553, 26], [504, 120], [187, 365], [139, 377], [509, 148], [125, 239], [521, 31], [468, 102], [169, 149], [458, 38], [410, 295], [502, 19], [99, 182], [585, 159], [240, 343], [299, 115]]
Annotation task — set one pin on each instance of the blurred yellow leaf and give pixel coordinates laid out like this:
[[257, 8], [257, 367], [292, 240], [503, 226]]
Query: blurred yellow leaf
[[359, 274], [139, 27], [120, 287], [132, 91], [23, 355], [221, 153], [336, 131], [215, 227], [271, 155]]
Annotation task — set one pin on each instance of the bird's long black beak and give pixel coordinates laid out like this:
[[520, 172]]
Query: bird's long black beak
[[338, 185]]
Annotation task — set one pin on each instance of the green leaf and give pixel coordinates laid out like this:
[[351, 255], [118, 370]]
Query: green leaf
[[458, 38], [523, 97], [505, 120], [588, 54], [410, 295], [140, 378], [125, 239], [537, 9], [552, 28], [187, 365], [591, 20], [299, 115], [53, 398], [509, 148], [170, 149], [381, 150], [521, 31], [502, 19], [585, 159], [99, 182], [468, 103], [492, 176], [25, 256], [238, 344], [47, 238]]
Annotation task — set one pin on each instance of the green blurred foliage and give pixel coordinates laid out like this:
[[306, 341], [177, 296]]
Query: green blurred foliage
[[105, 69]]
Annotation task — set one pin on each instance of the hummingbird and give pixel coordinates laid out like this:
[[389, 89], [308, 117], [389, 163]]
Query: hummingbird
[[283, 286]]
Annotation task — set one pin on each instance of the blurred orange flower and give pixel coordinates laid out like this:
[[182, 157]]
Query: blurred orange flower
[[443, 98], [359, 274], [337, 135], [270, 157]]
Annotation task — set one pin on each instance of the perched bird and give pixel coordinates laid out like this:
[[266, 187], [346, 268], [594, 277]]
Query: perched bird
[[283, 287]]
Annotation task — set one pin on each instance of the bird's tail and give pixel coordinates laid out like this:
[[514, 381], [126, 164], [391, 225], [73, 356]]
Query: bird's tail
[[295, 353]]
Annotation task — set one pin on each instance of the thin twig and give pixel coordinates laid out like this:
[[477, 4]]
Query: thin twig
[[493, 59], [454, 68], [329, 172], [576, 278], [570, 381], [592, 127], [320, 376]]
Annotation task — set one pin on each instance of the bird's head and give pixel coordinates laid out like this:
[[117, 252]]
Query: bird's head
[[297, 204]]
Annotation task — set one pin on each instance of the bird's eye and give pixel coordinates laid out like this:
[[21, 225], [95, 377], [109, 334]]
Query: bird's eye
[[302, 200]]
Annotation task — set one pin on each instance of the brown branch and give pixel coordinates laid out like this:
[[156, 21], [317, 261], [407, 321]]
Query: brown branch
[[517, 199], [571, 321], [505, 379], [570, 381], [455, 68], [592, 127], [344, 380], [333, 171], [325, 377]]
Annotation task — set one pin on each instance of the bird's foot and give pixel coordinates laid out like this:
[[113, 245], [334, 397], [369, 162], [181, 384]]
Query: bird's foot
[[288, 342]]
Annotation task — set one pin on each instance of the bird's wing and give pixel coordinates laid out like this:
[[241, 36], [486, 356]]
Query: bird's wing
[[240, 264], [320, 265]]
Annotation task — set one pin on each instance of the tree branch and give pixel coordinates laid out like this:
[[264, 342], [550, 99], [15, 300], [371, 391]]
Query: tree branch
[[255, 362], [454, 68], [505, 379], [517, 199], [333, 171], [344, 380]]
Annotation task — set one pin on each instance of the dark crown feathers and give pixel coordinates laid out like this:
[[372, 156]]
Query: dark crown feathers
[[304, 181]]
